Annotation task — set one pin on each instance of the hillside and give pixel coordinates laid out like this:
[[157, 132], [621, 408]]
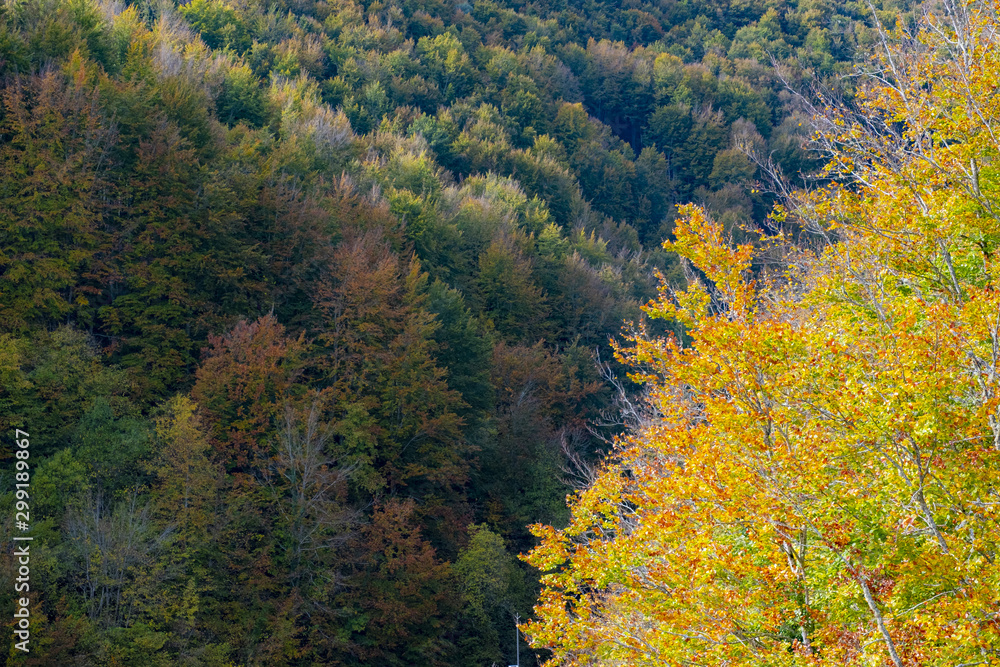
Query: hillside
[[306, 306]]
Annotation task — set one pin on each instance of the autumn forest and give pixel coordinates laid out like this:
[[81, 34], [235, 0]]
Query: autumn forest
[[424, 332]]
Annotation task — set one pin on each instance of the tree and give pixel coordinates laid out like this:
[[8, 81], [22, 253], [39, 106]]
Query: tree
[[58, 382], [405, 599], [242, 384], [814, 482], [187, 478], [219, 24], [113, 547], [493, 588], [448, 63], [54, 139], [464, 347], [506, 291], [311, 490], [396, 415]]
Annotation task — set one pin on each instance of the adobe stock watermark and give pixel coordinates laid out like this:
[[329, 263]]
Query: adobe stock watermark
[[22, 543]]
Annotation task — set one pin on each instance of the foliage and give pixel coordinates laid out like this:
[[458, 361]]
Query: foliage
[[301, 301], [814, 482]]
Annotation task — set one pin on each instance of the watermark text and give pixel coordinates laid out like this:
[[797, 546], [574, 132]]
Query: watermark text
[[22, 543]]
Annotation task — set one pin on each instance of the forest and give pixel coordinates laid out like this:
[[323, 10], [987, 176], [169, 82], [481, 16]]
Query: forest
[[343, 331]]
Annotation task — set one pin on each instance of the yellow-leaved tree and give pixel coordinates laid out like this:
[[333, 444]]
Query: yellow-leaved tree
[[817, 482]]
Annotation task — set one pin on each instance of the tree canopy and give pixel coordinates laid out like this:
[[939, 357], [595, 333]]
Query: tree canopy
[[308, 304], [815, 480]]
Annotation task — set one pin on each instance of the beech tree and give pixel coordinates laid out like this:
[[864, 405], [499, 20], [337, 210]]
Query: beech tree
[[815, 482]]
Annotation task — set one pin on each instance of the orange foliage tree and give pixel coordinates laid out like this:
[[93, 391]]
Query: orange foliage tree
[[816, 481]]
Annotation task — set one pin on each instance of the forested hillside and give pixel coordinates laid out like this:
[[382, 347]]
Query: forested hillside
[[306, 306]]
